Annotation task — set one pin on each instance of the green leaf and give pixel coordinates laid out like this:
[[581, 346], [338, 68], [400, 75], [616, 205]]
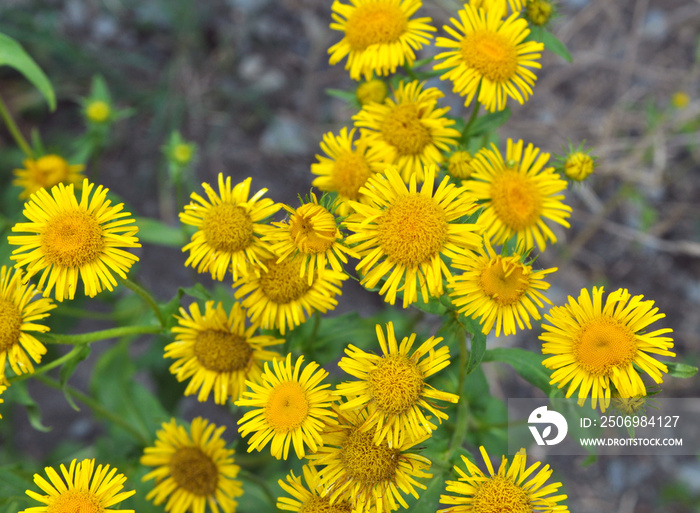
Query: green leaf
[[433, 306], [18, 393], [550, 42], [489, 123], [12, 54], [198, 291], [526, 363], [79, 353], [681, 370], [153, 231], [346, 96]]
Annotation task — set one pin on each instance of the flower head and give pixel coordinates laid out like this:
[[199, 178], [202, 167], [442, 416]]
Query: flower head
[[291, 407], [82, 488], [372, 91], [490, 55], [310, 498], [378, 35], [18, 318], [192, 469], [539, 12], [404, 233], [98, 111], [228, 228], [408, 130], [598, 346], [310, 234], [502, 290], [346, 168], [45, 172], [680, 99], [280, 296], [217, 352], [578, 166], [518, 195], [459, 165], [508, 490], [71, 240], [371, 477], [392, 386]]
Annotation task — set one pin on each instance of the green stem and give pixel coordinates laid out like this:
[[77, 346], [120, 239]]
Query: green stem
[[45, 368], [463, 405], [146, 296], [14, 131], [244, 474], [96, 407], [465, 131], [96, 336]]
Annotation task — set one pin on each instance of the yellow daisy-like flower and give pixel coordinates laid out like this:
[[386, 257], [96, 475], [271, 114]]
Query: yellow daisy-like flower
[[82, 488], [346, 167], [579, 165], [311, 234], [280, 297], [597, 345], [193, 469], [518, 195], [404, 233], [499, 6], [489, 54], [72, 240], [392, 386], [18, 318], [372, 91], [291, 406], [408, 130], [502, 290], [459, 165], [216, 351], [309, 498], [379, 35], [371, 477], [513, 489], [45, 172], [228, 228]]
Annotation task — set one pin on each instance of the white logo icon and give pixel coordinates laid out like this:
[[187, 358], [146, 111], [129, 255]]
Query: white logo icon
[[542, 415]]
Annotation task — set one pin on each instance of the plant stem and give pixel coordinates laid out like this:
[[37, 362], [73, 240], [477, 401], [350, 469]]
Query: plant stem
[[14, 131], [45, 368], [463, 405], [146, 296], [244, 474], [96, 407], [465, 131], [96, 336]]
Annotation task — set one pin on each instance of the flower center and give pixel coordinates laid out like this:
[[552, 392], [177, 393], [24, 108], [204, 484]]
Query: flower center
[[395, 384], [500, 495], [323, 505], [287, 407], [516, 200], [412, 230], [194, 471], [375, 23], [52, 170], [366, 462], [313, 229], [75, 501], [403, 129], [10, 325], [282, 282], [604, 343], [221, 351], [72, 239], [228, 228], [350, 172], [493, 55], [504, 281]]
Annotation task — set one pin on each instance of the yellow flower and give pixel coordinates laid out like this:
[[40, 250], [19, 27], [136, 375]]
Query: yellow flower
[[18, 318], [579, 166], [83, 488], [371, 477], [45, 172], [98, 111], [518, 195], [71, 240], [310, 234], [498, 6], [217, 352], [404, 233], [408, 130], [379, 35], [392, 387], [539, 12], [512, 489], [459, 164], [680, 99], [193, 469], [183, 153], [2, 389], [228, 228], [489, 54], [291, 406], [309, 498], [280, 297], [372, 91], [502, 290], [346, 167], [597, 345]]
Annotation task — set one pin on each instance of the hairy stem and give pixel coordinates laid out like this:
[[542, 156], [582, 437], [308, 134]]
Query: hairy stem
[[96, 336], [146, 296], [14, 131]]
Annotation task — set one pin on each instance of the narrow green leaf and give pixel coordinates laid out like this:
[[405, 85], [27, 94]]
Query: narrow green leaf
[[198, 291], [153, 231], [477, 345], [346, 96], [433, 306], [19, 394], [526, 363], [79, 353], [12, 54], [681, 370], [489, 123], [555, 46]]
